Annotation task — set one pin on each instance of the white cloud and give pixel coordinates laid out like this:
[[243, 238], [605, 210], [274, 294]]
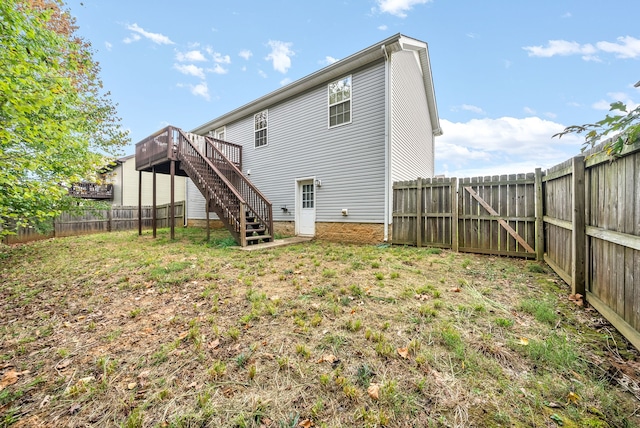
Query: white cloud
[[529, 110], [108, 45], [328, 60], [157, 38], [567, 15], [550, 115], [262, 74], [218, 69], [507, 63], [472, 35], [398, 7], [613, 97], [625, 47], [245, 53], [200, 90], [472, 108], [280, 55], [382, 27], [502, 146], [190, 70], [285, 81], [133, 38], [560, 47], [221, 59], [190, 56]]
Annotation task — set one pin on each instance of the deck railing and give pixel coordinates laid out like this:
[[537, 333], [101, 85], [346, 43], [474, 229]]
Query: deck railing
[[156, 148], [258, 205], [91, 191], [215, 167]]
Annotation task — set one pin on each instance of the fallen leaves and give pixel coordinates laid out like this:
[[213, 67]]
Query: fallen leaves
[[572, 397], [374, 391], [328, 358], [523, 341], [403, 352], [577, 299], [10, 377], [307, 423]]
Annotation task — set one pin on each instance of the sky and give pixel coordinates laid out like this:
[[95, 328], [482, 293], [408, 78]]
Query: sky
[[508, 74]]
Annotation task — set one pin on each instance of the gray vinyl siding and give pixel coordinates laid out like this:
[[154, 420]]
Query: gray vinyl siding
[[348, 159], [412, 145], [195, 203]]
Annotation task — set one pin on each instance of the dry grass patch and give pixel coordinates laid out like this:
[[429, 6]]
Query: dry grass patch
[[126, 331]]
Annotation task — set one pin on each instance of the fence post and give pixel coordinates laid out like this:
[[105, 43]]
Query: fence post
[[578, 234], [419, 212], [539, 225], [110, 219], [454, 214]]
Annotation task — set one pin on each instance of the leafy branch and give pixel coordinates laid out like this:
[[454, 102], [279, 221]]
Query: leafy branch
[[623, 125]]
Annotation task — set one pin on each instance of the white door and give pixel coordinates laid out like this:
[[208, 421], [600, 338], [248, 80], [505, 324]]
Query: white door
[[306, 208]]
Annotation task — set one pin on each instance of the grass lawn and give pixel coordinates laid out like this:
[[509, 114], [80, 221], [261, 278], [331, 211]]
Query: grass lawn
[[116, 330]]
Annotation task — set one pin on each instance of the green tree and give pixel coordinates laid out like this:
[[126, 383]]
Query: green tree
[[622, 127], [57, 125]]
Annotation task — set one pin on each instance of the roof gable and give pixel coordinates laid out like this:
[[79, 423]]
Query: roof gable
[[338, 69]]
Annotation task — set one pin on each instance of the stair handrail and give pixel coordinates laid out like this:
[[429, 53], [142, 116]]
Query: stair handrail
[[233, 152], [247, 189], [239, 218]]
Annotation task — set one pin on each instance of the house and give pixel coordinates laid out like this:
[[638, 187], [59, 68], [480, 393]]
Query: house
[[124, 180], [317, 157]]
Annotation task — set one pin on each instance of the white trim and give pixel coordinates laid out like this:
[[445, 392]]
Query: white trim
[[298, 203], [329, 105], [266, 129], [222, 130], [331, 72], [388, 203]]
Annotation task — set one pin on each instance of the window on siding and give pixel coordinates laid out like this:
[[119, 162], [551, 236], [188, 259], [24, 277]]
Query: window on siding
[[307, 196], [260, 128], [340, 102]]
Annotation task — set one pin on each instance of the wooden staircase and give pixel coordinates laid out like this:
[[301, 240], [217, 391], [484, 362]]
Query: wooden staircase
[[215, 167]]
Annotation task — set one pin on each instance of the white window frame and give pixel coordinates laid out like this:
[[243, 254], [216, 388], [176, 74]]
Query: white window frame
[[348, 78], [220, 131], [265, 129]]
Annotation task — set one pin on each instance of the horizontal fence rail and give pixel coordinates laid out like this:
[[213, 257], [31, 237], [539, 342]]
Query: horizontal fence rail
[[488, 215], [582, 217], [116, 218]]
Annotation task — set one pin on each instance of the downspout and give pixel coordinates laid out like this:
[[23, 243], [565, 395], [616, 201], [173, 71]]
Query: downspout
[[387, 145]]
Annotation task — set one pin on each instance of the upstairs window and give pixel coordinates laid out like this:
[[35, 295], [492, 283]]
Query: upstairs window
[[260, 128], [340, 102]]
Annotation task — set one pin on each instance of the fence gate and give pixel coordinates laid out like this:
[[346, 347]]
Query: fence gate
[[498, 215]]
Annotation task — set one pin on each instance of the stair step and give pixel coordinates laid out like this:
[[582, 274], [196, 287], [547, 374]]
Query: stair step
[[256, 238], [259, 230]]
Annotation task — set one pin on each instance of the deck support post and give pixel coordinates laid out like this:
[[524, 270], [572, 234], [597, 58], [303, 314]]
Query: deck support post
[[206, 208], [153, 209], [172, 219], [140, 203]]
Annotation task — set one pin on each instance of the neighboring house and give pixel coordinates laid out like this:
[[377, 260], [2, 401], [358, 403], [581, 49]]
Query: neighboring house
[[124, 179], [326, 149]]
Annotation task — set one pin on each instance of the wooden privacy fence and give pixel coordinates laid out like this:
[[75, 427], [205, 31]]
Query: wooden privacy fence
[[592, 222], [488, 215], [582, 217], [115, 218]]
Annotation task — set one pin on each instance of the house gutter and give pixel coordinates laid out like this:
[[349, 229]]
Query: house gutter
[[387, 145]]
